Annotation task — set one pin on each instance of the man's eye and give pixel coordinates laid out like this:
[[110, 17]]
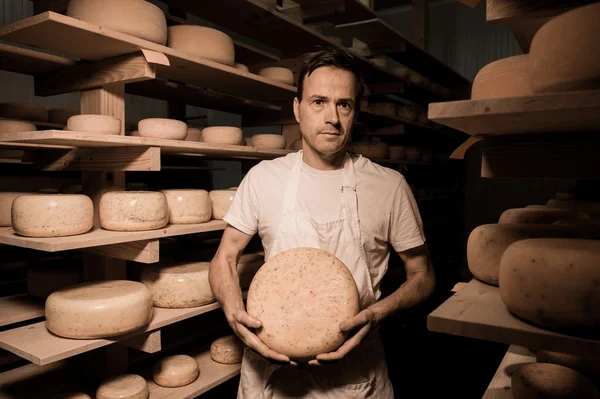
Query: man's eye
[[319, 102], [345, 105]]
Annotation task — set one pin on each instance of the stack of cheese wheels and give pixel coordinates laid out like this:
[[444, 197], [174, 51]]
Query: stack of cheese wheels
[[7, 126], [553, 282], [179, 285], [163, 128], [188, 206], [52, 215], [137, 18], [6, 200], [301, 296], [565, 52], [592, 208], [296, 145], [371, 150], [175, 371], [269, 141], [397, 152], [227, 350], [222, 135], [414, 154], [123, 386], [133, 210], [24, 111], [91, 123], [539, 215], [194, 134], [247, 266], [61, 115], [586, 365], [508, 77], [202, 41], [99, 309], [544, 380], [43, 281], [221, 201], [283, 75]]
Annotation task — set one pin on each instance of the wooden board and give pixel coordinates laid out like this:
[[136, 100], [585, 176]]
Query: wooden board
[[500, 386], [478, 312], [30, 62], [544, 113], [516, 10], [18, 308]]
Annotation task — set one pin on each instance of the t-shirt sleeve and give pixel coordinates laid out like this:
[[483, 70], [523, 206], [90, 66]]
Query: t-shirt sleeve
[[243, 212], [406, 226]]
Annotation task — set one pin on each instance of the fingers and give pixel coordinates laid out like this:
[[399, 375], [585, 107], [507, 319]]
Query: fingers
[[254, 343], [343, 350], [246, 320], [357, 321]]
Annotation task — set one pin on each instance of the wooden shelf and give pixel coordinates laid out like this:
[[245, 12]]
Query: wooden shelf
[[500, 386], [18, 308], [477, 311], [30, 62]]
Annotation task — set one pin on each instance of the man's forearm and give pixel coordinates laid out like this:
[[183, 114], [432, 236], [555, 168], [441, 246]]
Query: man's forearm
[[224, 282]]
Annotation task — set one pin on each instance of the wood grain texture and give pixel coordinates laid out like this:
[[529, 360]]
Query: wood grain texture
[[18, 308], [99, 159], [500, 386], [30, 62], [146, 251]]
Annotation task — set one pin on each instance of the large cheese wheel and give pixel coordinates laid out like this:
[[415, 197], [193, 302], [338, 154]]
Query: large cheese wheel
[[487, 243], [301, 296], [91, 123], [24, 111], [163, 128], [123, 386], [592, 208], [296, 145], [565, 52], [194, 134], [508, 77], [202, 41], [221, 201], [175, 371], [586, 365], [270, 141], [133, 210], [247, 267], [6, 200], [43, 281], [539, 215], [8, 126], [283, 75], [137, 18], [52, 215], [180, 285], [188, 206], [553, 282], [99, 309], [61, 115], [372, 150], [550, 381], [222, 135], [227, 350]]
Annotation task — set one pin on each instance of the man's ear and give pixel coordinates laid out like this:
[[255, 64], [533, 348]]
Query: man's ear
[[296, 107]]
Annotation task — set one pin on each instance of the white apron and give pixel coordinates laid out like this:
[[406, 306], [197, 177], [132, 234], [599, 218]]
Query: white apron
[[363, 372]]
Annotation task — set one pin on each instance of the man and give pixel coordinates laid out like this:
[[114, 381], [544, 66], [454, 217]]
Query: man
[[304, 199]]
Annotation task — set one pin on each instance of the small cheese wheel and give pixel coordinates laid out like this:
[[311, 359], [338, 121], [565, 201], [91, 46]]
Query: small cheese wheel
[[553, 282], [539, 215], [179, 285], [24, 111], [175, 371], [372, 150], [221, 201], [301, 296], [227, 350], [414, 154], [6, 200], [163, 128], [296, 145], [61, 115], [222, 135], [508, 77], [43, 281], [543, 380], [397, 152], [270, 141], [91, 123], [586, 365], [241, 67], [134, 133], [592, 208], [123, 386], [283, 75], [99, 309], [194, 134], [188, 206], [8, 126], [202, 41], [137, 18], [247, 267], [133, 210], [72, 395], [52, 215]]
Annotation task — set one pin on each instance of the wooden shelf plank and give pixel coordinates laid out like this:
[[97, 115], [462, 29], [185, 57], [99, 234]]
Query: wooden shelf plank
[[30, 62], [477, 311], [543, 113], [500, 386], [18, 308], [505, 11]]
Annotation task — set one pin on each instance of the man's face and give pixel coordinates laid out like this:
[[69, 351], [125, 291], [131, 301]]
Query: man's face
[[327, 110]]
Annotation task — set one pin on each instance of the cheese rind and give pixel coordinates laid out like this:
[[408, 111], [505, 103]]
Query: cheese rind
[[71, 395], [188, 206], [202, 41], [591, 208], [221, 201], [283, 75], [586, 365], [133, 210], [296, 145], [228, 135], [163, 128], [175, 371], [124, 386], [227, 350], [543, 380], [539, 215], [8, 126], [270, 141], [507, 77], [194, 134], [91, 123]]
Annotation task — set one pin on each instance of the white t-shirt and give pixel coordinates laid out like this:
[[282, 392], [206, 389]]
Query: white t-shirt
[[387, 209]]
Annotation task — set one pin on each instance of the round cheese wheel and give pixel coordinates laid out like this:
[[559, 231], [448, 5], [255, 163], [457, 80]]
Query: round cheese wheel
[[543, 380], [283, 75], [372, 150], [414, 154], [61, 115], [247, 266], [133, 210], [222, 135], [71, 395], [90, 123], [194, 134], [301, 296], [137, 18], [487, 243], [188, 206], [565, 52], [202, 41], [241, 67], [99, 309], [539, 215], [397, 152], [508, 77], [270, 141], [586, 365], [296, 145], [8, 126], [6, 200], [134, 133], [163, 128], [221, 201], [227, 350], [248, 141], [175, 371], [592, 208], [182, 285], [123, 386], [52, 215], [43, 281], [553, 282], [24, 111]]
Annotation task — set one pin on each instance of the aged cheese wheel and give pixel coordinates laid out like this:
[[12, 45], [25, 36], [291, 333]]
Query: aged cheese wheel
[[414, 154], [24, 111], [221, 201], [247, 266], [553, 282], [133, 210], [194, 134], [175, 371], [61, 115], [188, 206], [134, 133], [222, 135], [137, 18], [179, 285], [565, 52], [296, 145], [123, 386], [71, 395], [43, 281], [6, 200], [227, 350], [550, 381], [8, 126], [90, 123], [592, 208], [586, 365], [301, 296], [487, 243], [241, 67], [283, 75], [270, 141], [163, 128], [202, 41], [99, 309], [539, 215], [508, 77], [52, 215], [372, 150]]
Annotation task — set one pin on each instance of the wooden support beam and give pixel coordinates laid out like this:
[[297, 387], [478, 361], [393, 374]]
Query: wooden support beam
[[98, 159], [501, 11], [419, 23], [149, 342], [146, 251]]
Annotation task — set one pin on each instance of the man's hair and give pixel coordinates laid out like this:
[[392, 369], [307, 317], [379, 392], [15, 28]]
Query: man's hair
[[335, 57]]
